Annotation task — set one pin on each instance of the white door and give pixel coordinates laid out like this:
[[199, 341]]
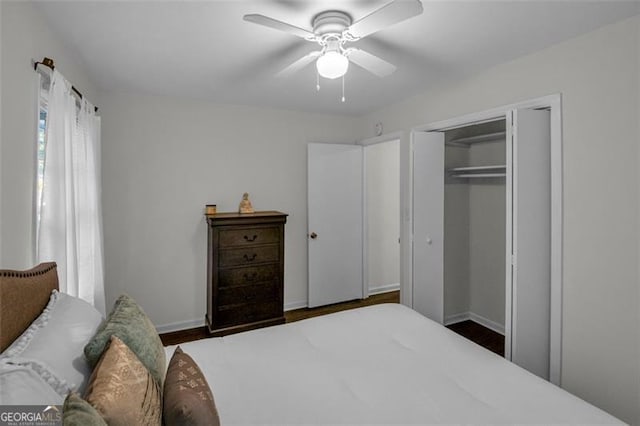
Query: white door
[[335, 223], [531, 277], [428, 224]]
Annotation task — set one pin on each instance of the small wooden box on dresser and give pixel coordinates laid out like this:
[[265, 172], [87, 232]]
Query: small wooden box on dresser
[[245, 271]]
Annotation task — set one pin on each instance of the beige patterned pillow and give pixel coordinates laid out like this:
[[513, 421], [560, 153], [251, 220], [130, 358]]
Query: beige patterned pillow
[[187, 396], [122, 390]]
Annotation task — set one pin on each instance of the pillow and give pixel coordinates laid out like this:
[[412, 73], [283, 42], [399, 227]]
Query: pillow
[[187, 396], [54, 342], [78, 412], [129, 322], [122, 390], [21, 385]]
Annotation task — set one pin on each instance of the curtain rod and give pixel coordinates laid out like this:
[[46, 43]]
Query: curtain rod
[[48, 62]]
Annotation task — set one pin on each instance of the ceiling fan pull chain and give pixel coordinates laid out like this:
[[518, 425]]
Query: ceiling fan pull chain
[[343, 88], [317, 81]]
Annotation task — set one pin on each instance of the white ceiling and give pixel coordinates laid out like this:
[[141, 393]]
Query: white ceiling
[[203, 49]]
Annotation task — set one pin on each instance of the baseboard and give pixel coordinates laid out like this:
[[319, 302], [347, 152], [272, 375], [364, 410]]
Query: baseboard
[[491, 325], [456, 318], [384, 289], [292, 306], [485, 322], [179, 326]]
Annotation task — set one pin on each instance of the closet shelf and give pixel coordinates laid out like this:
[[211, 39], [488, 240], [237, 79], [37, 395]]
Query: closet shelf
[[478, 171], [468, 140], [478, 168]]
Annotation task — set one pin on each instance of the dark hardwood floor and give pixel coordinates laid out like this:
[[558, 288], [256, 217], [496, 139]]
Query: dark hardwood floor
[[469, 329], [480, 335], [183, 336], [304, 313]]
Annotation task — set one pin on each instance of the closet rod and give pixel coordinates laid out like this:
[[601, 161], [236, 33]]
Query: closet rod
[[48, 62], [478, 175], [477, 138]]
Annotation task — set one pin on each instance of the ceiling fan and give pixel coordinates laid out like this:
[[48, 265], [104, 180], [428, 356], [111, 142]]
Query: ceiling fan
[[333, 29]]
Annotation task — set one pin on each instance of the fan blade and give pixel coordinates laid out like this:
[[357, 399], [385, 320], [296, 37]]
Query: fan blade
[[370, 62], [299, 64], [387, 15], [279, 25]]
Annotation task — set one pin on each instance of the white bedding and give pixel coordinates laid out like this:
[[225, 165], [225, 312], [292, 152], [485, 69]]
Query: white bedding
[[383, 364]]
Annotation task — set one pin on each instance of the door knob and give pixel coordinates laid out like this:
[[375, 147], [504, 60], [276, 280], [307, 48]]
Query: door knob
[[313, 235]]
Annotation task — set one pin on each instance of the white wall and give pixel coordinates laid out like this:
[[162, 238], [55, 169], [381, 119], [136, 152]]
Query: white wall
[[165, 158], [382, 186], [25, 36], [598, 75]]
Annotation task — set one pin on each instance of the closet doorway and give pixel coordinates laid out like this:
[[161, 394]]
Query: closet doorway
[[486, 222], [475, 225]]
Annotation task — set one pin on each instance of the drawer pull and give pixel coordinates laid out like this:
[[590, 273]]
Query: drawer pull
[[250, 239], [251, 277], [250, 259]]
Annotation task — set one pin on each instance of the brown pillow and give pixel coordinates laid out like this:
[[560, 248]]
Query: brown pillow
[[187, 396], [122, 390]]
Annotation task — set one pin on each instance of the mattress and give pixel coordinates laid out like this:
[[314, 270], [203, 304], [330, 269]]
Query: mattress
[[382, 364]]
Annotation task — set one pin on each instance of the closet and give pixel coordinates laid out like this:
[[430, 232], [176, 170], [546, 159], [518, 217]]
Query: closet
[[475, 224], [481, 247]]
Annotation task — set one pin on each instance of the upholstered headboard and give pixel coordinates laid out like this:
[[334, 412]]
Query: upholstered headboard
[[23, 296]]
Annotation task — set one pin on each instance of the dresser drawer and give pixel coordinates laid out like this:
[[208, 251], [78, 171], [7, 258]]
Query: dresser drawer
[[248, 255], [248, 236], [248, 275], [255, 293], [250, 312]]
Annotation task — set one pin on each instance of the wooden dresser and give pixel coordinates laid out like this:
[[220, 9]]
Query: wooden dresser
[[245, 271]]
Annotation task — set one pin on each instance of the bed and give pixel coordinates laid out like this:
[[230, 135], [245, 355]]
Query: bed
[[383, 364]]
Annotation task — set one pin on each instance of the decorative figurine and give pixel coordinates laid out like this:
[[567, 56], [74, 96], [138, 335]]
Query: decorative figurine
[[245, 204]]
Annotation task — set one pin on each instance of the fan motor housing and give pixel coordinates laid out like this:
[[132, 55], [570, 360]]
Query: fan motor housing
[[331, 22]]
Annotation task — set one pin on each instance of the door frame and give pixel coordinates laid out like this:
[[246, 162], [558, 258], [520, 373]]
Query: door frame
[[554, 104], [389, 137]]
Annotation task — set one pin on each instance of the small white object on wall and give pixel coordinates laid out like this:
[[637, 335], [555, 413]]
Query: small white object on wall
[[378, 128]]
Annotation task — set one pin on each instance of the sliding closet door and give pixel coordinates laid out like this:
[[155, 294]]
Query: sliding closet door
[[428, 224], [335, 223], [531, 240]]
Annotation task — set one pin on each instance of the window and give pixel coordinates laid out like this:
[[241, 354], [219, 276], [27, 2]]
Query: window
[[41, 144]]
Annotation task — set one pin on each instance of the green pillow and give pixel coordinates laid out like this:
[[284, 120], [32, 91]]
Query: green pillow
[[78, 412], [129, 322]]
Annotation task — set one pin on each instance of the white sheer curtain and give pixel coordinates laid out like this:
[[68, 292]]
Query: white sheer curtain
[[69, 231]]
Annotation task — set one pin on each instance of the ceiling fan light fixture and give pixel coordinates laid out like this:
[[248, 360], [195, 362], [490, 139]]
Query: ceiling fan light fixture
[[332, 65]]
